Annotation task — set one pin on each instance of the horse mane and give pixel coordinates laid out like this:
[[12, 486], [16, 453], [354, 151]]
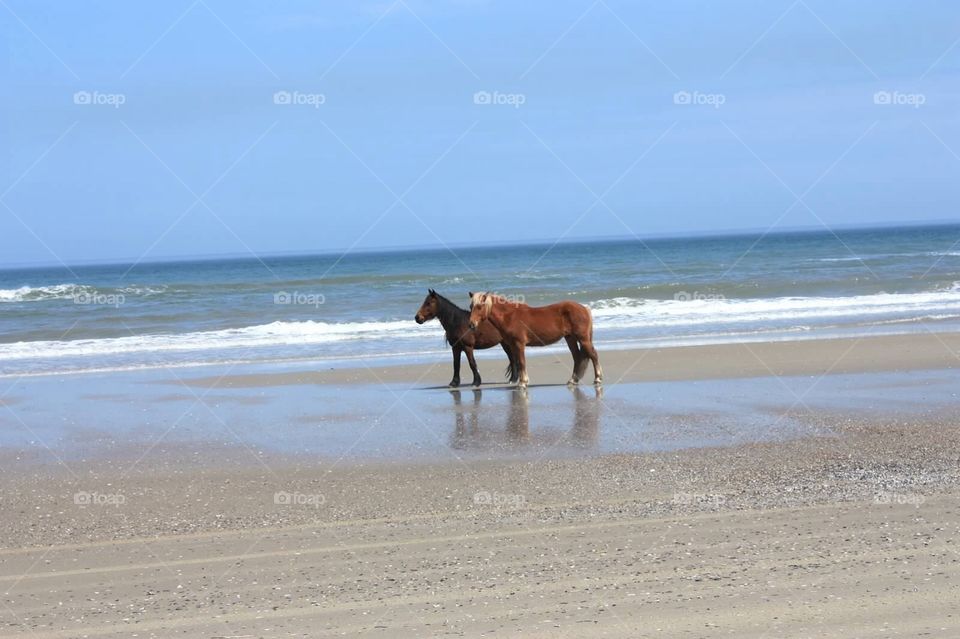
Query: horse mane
[[449, 314], [487, 299], [487, 302]]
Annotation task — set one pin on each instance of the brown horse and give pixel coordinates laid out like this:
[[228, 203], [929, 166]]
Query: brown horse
[[522, 325], [456, 324]]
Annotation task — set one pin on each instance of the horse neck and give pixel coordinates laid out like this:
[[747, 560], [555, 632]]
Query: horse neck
[[496, 314], [450, 315]]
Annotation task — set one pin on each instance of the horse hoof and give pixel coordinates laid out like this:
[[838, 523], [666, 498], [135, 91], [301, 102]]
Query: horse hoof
[[454, 384], [573, 381], [476, 382]]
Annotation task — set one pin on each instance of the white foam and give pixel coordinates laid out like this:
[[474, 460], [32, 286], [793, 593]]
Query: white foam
[[274, 334], [40, 293], [853, 258], [631, 312], [70, 291]]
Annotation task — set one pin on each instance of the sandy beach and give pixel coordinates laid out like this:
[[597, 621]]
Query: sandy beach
[[846, 528], [819, 538]]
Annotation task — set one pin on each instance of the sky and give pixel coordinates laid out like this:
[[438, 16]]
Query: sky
[[139, 131]]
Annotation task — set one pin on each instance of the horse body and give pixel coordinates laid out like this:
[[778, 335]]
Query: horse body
[[521, 325], [552, 323], [456, 326]]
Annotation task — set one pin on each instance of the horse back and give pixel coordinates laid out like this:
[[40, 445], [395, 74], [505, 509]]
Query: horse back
[[548, 324]]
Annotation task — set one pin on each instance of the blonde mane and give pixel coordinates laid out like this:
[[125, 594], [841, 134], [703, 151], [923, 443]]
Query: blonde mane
[[484, 300]]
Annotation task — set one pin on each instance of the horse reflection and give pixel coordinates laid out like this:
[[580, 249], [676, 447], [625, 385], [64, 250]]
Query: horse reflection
[[466, 421], [518, 418], [586, 418], [474, 428]]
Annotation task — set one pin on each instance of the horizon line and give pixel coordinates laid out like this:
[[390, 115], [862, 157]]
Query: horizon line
[[797, 230]]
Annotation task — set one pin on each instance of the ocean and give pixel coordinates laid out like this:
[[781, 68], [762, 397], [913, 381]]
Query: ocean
[[333, 309]]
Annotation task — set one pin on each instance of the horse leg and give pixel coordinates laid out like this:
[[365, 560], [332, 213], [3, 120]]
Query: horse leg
[[473, 365], [577, 358], [591, 352], [456, 367], [522, 366]]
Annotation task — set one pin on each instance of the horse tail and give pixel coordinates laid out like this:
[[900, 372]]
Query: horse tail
[[589, 323], [511, 372]]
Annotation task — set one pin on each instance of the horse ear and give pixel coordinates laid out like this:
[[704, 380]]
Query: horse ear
[[470, 294], [432, 292]]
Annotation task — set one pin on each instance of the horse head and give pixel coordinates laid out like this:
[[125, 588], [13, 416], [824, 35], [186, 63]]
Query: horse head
[[428, 310], [480, 304]]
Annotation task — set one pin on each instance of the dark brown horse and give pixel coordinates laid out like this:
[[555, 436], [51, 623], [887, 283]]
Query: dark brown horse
[[456, 324], [522, 325]]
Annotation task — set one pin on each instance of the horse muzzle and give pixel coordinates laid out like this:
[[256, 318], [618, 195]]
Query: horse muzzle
[[418, 319], [473, 326]]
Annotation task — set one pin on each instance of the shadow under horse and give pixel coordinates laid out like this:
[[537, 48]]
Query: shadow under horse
[[456, 325]]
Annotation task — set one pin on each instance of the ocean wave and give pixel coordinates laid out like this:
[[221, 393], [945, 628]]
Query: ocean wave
[[142, 291], [881, 256], [626, 312], [304, 333], [41, 293], [73, 291]]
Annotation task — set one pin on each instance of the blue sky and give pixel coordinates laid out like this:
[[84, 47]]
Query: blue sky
[[603, 118]]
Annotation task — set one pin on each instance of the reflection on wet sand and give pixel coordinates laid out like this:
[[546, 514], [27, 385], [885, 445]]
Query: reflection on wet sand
[[586, 419], [518, 418], [466, 420], [482, 427]]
